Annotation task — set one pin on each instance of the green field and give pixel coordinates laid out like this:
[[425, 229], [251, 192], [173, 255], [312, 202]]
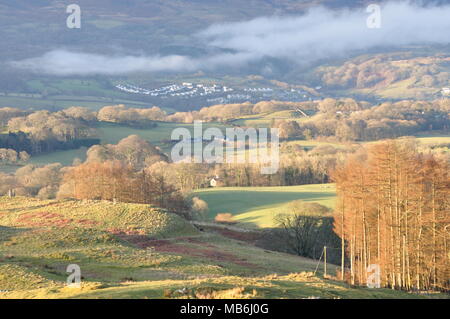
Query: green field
[[110, 133], [60, 102], [64, 157], [64, 93], [265, 120], [138, 251], [257, 206], [433, 139]]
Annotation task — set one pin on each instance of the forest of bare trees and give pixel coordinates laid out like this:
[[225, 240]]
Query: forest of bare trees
[[393, 211]]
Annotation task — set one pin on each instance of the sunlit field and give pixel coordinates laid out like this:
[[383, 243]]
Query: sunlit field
[[257, 206], [134, 251]]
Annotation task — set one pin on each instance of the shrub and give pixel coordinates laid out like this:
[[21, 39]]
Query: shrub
[[199, 208], [225, 218]]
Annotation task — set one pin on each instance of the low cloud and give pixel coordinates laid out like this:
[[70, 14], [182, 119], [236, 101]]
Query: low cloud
[[320, 33], [62, 62]]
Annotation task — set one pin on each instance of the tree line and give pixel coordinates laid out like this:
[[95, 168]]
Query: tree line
[[298, 166], [393, 211], [10, 156], [116, 181], [349, 120], [332, 119], [44, 131]]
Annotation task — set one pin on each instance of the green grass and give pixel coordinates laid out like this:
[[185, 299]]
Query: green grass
[[265, 119], [138, 251], [257, 206], [293, 286], [433, 138], [95, 103], [39, 238], [104, 214], [426, 139], [106, 24], [112, 133], [309, 144], [64, 157]]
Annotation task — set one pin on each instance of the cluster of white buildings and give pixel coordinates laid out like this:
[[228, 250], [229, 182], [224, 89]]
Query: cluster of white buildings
[[238, 97], [165, 90], [258, 90], [186, 89], [217, 94], [217, 100]]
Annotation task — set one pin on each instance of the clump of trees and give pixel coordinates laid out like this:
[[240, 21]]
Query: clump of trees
[[199, 208], [43, 131], [132, 150], [130, 171], [42, 182], [81, 113], [349, 120], [131, 116], [10, 156], [117, 181], [7, 183], [42, 125], [7, 113], [130, 156], [303, 229], [393, 210]]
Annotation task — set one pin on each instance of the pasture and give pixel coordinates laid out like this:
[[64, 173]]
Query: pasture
[[257, 206], [433, 139], [138, 251], [265, 120], [35, 102]]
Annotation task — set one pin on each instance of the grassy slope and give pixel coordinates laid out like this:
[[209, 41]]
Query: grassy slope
[[256, 206], [135, 251]]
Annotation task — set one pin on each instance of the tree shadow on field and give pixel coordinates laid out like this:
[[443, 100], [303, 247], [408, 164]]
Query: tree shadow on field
[[242, 201], [7, 232]]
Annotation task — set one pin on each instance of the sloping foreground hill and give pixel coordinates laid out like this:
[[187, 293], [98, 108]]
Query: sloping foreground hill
[[137, 251]]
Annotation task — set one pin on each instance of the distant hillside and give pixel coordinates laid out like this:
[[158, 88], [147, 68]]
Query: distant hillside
[[30, 29], [395, 75]]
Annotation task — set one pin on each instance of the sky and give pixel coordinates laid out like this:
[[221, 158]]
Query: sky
[[319, 34]]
